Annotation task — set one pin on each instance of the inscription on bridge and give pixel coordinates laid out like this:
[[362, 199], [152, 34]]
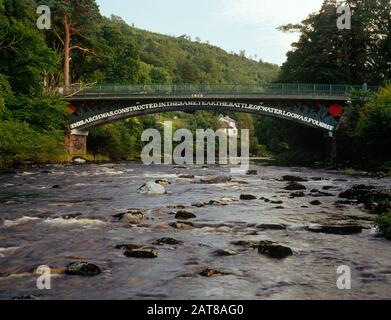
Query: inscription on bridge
[[315, 119]]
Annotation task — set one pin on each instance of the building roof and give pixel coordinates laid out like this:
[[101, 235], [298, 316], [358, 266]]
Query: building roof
[[226, 118]]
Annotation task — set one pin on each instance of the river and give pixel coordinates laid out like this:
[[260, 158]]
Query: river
[[59, 214]]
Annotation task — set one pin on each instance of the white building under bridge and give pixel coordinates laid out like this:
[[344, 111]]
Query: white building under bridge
[[226, 122]]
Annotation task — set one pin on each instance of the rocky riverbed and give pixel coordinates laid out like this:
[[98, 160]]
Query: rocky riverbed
[[128, 231]]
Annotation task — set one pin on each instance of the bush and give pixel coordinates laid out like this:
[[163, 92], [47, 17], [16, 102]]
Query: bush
[[374, 129], [22, 143], [112, 140], [383, 224]]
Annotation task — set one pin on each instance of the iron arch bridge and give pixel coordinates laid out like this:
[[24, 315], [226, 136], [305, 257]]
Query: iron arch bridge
[[316, 105]]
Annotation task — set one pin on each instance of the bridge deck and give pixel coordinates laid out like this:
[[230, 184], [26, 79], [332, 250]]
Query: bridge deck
[[180, 91]]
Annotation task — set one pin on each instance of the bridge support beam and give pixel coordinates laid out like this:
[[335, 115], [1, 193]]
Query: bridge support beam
[[76, 142]]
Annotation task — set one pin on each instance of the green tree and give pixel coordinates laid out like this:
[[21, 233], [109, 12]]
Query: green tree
[[159, 75], [23, 52], [118, 52], [187, 71], [112, 140], [5, 91], [374, 129], [325, 54], [73, 20], [20, 143]]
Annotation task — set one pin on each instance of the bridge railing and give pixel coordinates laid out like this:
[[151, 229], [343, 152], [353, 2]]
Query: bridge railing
[[278, 89]]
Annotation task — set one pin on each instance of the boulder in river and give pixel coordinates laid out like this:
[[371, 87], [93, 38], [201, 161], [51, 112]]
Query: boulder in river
[[224, 253], [274, 250], [209, 272], [247, 197], [329, 187], [295, 186], [163, 181], [345, 202], [71, 216], [336, 229], [357, 192], [252, 172], [321, 194], [224, 201], [289, 178], [297, 194], [176, 206], [145, 253], [198, 204], [133, 217], [217, 202], [246, 243], [180, 167], [152, 188], [129, 246], [182, 225], [271, 226], [216, 180], [239, 182], [26, 297], [377, 201], [186, 176], [169, 241], [316, 203], [184, 215], [83, 268], [79, 160]]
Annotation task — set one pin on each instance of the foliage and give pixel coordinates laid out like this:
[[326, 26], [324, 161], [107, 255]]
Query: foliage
[[46, 114], [373, 130], [5, 91], [291, 143], [325, 54], [24, 53], [20, 143], [193, 62], [383, 224], [113, 135]]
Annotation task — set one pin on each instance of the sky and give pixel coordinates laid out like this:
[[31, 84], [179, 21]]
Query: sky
[[233, 25]]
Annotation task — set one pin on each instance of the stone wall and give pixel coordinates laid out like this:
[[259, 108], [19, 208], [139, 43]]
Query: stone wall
[[76, 143]]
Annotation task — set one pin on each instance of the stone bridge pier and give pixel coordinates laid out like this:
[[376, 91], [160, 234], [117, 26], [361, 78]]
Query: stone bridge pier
[[76, 142]]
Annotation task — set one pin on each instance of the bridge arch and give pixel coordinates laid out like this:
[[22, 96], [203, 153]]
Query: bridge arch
[[90, 115], [314, 105]]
